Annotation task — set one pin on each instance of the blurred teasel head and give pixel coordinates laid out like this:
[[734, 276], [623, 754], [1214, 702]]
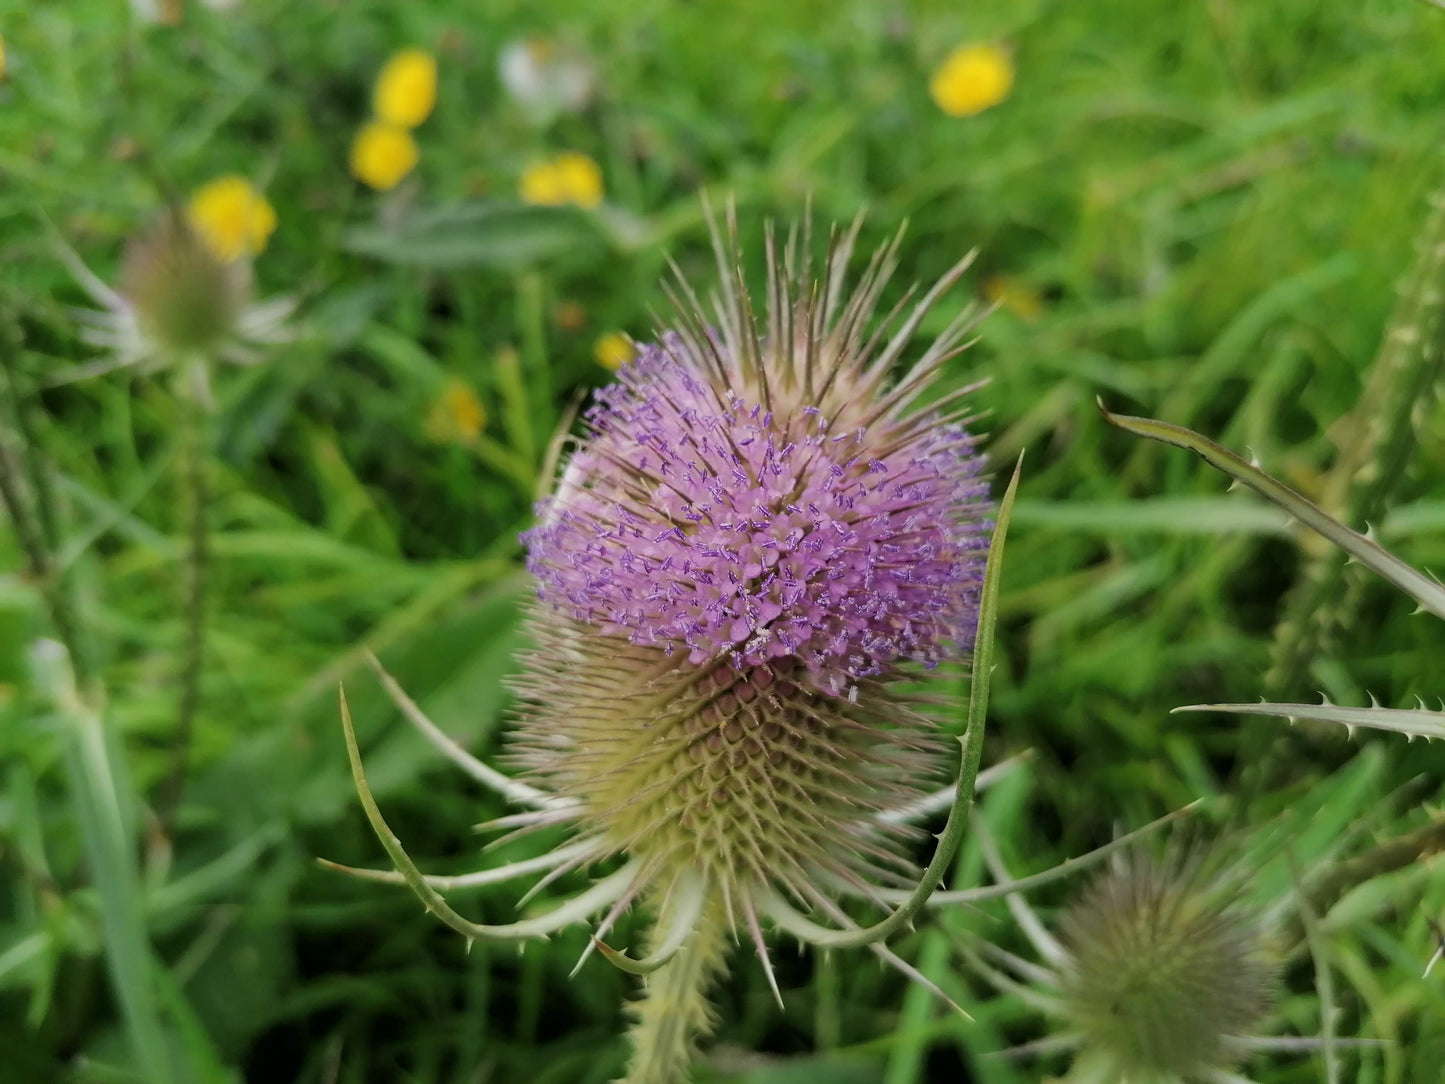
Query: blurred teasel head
[[1159, 974], [185, 295], [757, 551], [185, 299]]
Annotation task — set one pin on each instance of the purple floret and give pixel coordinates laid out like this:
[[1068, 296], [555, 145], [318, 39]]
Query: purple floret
[[695, 520]]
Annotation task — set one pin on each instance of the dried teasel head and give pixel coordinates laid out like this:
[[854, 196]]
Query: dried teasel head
[[177, 304], [186, 300]]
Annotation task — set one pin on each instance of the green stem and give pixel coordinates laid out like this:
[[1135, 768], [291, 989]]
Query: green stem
[[674, 1011], [193, 484], [532, 325], [1377, 439], [30, 444]]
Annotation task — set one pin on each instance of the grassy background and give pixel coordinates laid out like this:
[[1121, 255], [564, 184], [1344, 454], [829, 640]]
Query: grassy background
[[1212, 202]]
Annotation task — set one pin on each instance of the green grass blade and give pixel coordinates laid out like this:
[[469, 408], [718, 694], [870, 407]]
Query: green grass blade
[[97, 782]]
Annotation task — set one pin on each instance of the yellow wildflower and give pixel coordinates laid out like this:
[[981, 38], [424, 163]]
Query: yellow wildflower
[[568, 178], [381, 155], [1016, 296], [971, 79], [2, 56], [457, 415], [232, 218], [613, 350], [406, 89]]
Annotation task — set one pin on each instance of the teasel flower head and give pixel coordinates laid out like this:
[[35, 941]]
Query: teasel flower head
[[1159, 974], [756, 552], [1164, 971], [178, 303], [751, 549], [185, 299]]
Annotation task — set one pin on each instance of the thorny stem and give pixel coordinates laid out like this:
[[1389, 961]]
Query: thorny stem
[[1375, 442], [39, 488], [194, 498], [674, 1011], [1387, 857], [38, 541]]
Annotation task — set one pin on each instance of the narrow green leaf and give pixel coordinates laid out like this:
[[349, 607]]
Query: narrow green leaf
[[99, 787], [490, 233], [1427, 592]]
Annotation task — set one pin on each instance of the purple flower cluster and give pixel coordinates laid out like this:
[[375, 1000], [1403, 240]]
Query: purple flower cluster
[[691, 518]]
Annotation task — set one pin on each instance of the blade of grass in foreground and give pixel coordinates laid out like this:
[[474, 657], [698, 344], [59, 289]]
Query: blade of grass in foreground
[[106, 819]]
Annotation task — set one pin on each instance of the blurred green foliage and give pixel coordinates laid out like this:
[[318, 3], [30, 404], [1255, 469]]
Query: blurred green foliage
[[1197, 211]]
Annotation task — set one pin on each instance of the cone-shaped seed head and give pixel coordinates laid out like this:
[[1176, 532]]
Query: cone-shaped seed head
[[750, 557], [1163, 971], [186, 300]]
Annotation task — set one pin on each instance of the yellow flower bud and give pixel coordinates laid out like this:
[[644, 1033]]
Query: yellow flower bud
[[1016, 296], [232, 218], [568, 178], [971, 79], [457, 415], [382, 154], [613, 350], [406, 89]]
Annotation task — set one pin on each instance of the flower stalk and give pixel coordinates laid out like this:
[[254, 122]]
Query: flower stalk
[[194, 499], [674, 1012]]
